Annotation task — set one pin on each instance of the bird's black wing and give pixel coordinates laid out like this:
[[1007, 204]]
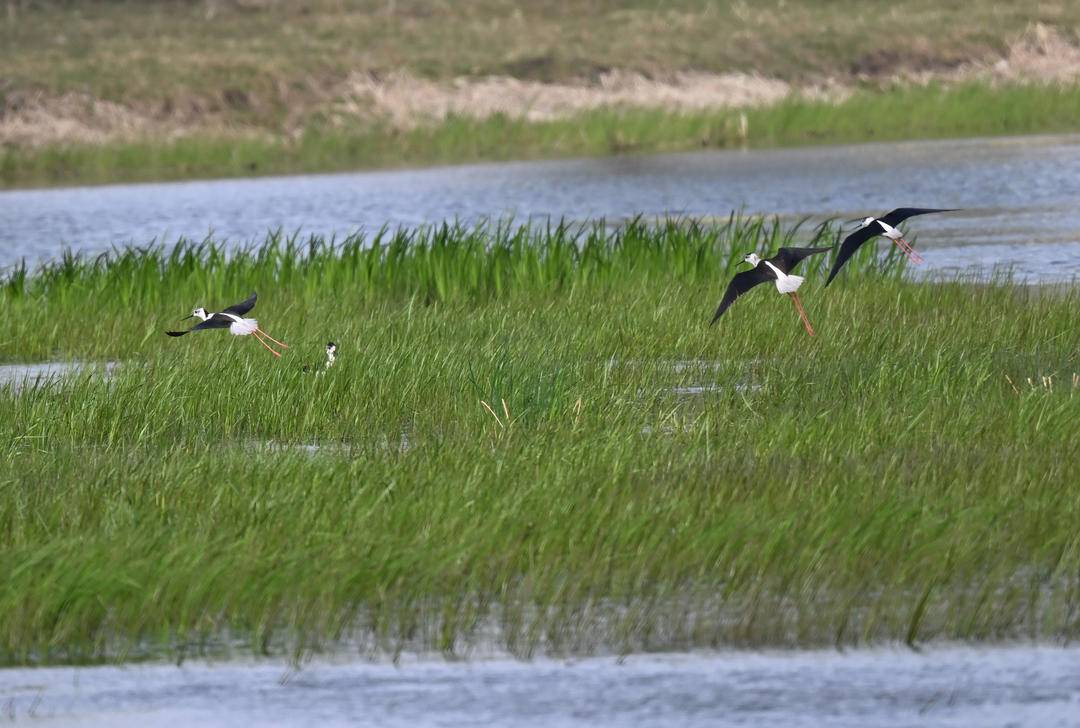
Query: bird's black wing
[[900, 214], [217, 321], [241, 308], [852, 243], [740, 284], [787, 258]]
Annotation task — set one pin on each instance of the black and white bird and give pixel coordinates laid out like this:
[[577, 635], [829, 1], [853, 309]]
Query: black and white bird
[[331, 352], [871, 227], [232, 318], [776, 269]]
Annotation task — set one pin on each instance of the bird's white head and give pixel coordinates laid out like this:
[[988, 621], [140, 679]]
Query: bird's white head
[[752, 259], [866, 221], [199, 313]]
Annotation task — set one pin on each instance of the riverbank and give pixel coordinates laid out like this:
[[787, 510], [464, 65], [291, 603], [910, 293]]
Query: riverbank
[[533, 440], [902, 113], [247, 87]]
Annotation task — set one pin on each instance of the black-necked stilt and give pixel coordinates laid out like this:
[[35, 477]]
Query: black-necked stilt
[[778, 269], [331, 351], [232, 319], [871, 227]]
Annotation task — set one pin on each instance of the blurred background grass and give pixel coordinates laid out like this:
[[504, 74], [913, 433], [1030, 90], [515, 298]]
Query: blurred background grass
[[97, 91]]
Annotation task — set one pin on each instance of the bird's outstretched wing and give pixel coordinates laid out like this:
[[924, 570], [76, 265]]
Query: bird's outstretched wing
[[241, 308], [217, 321], [847, 248], [788, 258], [854, 241], [900, 214], [740, 284]]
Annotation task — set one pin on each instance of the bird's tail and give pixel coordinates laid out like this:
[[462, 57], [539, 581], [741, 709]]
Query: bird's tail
[[244, 327]]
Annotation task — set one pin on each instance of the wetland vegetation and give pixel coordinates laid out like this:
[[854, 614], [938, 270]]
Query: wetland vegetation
[[532, 440], [911, 113]]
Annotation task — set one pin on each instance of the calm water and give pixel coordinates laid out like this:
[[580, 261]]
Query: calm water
[[26, 376], [1018, 686], [1018, 194]]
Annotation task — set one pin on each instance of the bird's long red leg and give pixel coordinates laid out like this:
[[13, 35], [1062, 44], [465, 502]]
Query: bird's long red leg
[[257, 338], [909, 251], [279, 343], [802, 313], [915, 257]]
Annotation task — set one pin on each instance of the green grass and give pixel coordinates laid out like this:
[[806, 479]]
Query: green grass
[[286, 55], [901, 113], [894, 478]]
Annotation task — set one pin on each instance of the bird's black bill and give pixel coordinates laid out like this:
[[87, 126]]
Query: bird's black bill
[[190, 315]]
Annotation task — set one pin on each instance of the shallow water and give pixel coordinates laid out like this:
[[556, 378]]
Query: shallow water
[[1018, 196], [25, 376], [953, 686]]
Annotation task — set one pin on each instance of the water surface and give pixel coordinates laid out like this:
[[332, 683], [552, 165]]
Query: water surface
[[1018, 196], [27, 376], [1007, 686]]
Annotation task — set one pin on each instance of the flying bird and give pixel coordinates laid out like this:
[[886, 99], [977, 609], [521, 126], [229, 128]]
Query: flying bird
[[872, 227], [777, 269], [232, 318]]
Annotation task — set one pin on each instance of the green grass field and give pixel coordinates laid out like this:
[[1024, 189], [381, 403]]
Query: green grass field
[[511, 451]]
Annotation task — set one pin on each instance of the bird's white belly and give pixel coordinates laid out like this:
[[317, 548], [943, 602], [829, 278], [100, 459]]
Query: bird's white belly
[[784, 282], [889, 231], [243, 326]]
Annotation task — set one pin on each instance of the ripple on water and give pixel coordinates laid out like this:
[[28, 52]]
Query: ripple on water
[[1037, 263], [1013, 192], [940, 686]]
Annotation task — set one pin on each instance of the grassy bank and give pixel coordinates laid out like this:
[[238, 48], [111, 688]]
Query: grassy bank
[[896, 477], [167, 55], [902, 113], [103, 91]]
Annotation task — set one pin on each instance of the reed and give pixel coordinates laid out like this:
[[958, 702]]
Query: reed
[[533, 441]]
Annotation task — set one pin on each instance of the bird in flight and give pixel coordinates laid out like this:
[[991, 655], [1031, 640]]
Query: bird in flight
[[871, 227], [776, 269], [232, 318]]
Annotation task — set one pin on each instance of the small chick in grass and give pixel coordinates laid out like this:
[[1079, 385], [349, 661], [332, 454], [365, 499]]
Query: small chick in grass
[[331, 352]]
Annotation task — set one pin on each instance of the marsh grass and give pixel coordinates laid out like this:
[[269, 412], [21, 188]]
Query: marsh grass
[[881, 481], [898, 113]]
